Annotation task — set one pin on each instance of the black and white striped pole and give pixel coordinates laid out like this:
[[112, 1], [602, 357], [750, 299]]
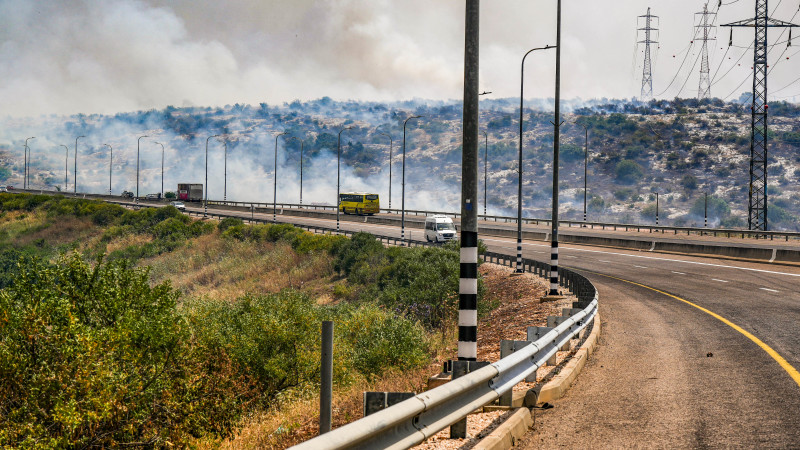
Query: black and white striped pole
[[403, 186], [275, 179], [656, 208], [705, 211], [338, 177], [556, 139], [519, 268], [468, 273], [110, 165]]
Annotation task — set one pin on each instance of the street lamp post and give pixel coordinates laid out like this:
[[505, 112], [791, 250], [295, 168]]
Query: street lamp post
[[301, 165], [162, 168], [403, 196], [656, 208], [485, 170], [110, 162], [225, 173], [391, 144], [585, 169], [137, 166], [705, 211], [25, 164], [338, 173], [519, 268], [66, 165], [205, 201], [75, 167], [275, 180]]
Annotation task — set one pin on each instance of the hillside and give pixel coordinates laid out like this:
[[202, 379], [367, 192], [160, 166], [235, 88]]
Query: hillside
[[680, 149]]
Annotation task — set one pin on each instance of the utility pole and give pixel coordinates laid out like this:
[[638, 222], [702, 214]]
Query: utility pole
[[556, 143], [704, 27], [647, 72], [757, 218]]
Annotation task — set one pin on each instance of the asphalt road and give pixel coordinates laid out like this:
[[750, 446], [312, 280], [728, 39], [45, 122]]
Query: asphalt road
[[652, 382]]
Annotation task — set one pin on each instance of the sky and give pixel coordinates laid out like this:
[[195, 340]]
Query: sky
[[92, 56]]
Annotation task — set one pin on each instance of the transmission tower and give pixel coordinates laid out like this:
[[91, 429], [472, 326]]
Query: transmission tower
[[647, 72], [757, 219], [704, 30]]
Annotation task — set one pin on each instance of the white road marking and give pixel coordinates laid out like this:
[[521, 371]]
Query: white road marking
[[641, 267], [656, 258], [721, 281], [603, 260], [768, 290], [679, 273]]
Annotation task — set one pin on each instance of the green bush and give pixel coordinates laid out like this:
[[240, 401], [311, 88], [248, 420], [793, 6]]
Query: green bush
[[94, 356], [228, 222], [628, 171], [717, 208], [689, 182]]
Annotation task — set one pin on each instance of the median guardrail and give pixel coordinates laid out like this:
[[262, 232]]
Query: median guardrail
[[723, 232]]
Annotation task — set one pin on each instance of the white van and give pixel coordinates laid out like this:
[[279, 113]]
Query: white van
[[439, 228]]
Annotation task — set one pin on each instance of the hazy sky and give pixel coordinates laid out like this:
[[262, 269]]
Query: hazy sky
[[94, 56]]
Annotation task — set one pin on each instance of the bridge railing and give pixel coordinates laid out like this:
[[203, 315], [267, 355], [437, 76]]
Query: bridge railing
[[717, 232]]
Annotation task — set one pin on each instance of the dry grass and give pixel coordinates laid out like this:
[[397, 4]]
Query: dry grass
[[26, 227], [226, 269]]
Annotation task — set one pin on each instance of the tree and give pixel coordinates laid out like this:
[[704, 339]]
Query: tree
[[689, 182], [628, 171]]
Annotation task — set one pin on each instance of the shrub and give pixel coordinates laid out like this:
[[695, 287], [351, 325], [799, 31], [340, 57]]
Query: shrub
[[628, 171], [689, 182], [169, 195], [359, 248], [93, 356], [228, 222], [717, 208]]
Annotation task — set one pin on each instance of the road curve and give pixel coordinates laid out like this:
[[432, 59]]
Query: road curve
[[652, 382]]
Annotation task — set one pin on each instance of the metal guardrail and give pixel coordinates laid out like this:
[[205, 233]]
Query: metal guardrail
[[416, 419], [724, 232]]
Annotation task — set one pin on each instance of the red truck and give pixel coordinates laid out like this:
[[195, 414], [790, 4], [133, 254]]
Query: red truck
[[189, 192]]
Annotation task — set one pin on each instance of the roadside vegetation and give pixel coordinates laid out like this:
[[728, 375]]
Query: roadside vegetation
[[122, 327]]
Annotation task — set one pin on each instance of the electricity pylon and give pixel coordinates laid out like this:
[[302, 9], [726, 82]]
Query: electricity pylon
[[757, 219], [647, 72], [704, 31]]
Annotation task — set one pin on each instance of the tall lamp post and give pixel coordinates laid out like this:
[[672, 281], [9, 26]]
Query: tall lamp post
[[225, 173], [556, 143], [656, 208], [25, 165], [485, 169], [705, 211], [205, 201], [275, 180], [110, 163], [301, 165], [585, 168], [138, 141], [162, 168], [338, 172], [75, 167], [66, 165], [403, 196], [519, 268], [391, 144]]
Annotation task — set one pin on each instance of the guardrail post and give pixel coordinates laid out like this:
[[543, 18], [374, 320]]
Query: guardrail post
[[460, 368], [326, 385], [534, 334], [554, 321], [506, 348]]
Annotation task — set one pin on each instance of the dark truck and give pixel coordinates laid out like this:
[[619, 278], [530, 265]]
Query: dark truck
[[189, 192]]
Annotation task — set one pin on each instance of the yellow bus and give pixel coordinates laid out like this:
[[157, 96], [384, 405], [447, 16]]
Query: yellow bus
[[359, 203]]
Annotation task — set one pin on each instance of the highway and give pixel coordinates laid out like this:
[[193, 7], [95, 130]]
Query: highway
[[695, 352]]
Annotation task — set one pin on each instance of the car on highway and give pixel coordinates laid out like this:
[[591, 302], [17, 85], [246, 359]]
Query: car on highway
[[179, 205], [3, 189], [127, 194]]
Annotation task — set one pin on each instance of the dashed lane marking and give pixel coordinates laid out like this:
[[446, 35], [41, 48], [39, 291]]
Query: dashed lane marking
[[768, 290], [721, 281], [793, 373], [679, 273]]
